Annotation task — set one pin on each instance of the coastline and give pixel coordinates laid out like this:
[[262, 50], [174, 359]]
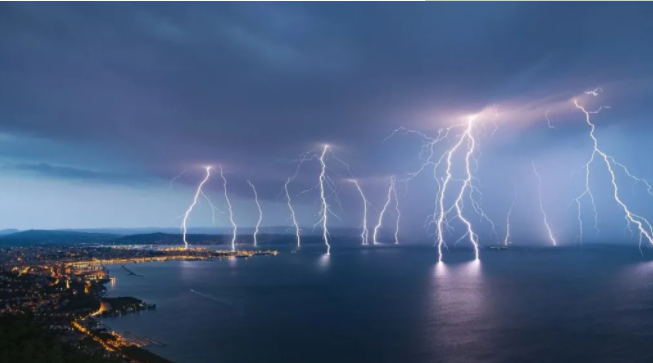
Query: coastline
[[128, 346]]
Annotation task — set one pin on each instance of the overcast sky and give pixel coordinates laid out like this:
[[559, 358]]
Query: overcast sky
[[102, 104]]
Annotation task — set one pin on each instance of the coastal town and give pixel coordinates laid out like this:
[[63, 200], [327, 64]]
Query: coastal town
[[60, 291]]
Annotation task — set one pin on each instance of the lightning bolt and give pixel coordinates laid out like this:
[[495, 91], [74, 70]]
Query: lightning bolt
[[385, 207], [213, 208], [302, 158], [324, 182], [539, 194], [473, 237], [548, 121], [506, 241], [260, 212], [231, 214], [394, 195], [175, 178], [441, 221], [292, 213], [644, 227], [365, 233], [190, 208], [325, 206], [466, 140]]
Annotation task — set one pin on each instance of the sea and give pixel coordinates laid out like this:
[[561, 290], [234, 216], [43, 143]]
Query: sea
[[397, 304]]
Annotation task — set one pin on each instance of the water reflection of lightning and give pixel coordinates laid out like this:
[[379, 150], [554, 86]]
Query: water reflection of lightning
[[325, 207], [644, 227], [385, 207], [539, 195], [365, 233], [260, 212], [506, 241], [190, 208], [231, 214]]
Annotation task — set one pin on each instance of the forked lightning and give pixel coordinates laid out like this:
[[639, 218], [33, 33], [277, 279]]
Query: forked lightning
[[539, 195], [260, 212], [190, 208], [231, 213]]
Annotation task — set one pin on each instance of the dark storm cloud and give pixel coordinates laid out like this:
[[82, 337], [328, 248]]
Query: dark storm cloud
[[178, 85]]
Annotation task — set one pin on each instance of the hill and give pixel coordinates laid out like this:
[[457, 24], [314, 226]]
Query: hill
[[37, 236], [159, 238]]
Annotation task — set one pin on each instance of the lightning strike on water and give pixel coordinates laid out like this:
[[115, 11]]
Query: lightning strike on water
[[539, 194], [385, 207], [190, 208], [394, 195], [327, 189], [365, 233], [506, 241], [325, 207], [468, 189], [292, 213], [260, 212], [302, 158], [473, 237], [231, 214], [644, 227], [441, 221]]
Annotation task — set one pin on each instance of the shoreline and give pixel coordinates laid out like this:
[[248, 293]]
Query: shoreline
[[137, 352], [127, 346]]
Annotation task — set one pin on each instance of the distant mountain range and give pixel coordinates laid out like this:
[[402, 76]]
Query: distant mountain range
[[171, 236], [192, 230], [159, 238], [8, 231], [55, 237]]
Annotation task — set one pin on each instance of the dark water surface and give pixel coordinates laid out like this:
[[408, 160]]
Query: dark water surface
[[593, 304]]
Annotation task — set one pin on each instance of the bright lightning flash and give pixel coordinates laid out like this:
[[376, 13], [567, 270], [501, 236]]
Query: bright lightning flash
[[260, 212], [506, 241], [292, 213], [468, 190], [325, 206], [394, 195], [231, 214], [539, 195], [326, 186], [302, 158], [644, 227], [365, 234], [190, 208], [379, 224], [441, 222]]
